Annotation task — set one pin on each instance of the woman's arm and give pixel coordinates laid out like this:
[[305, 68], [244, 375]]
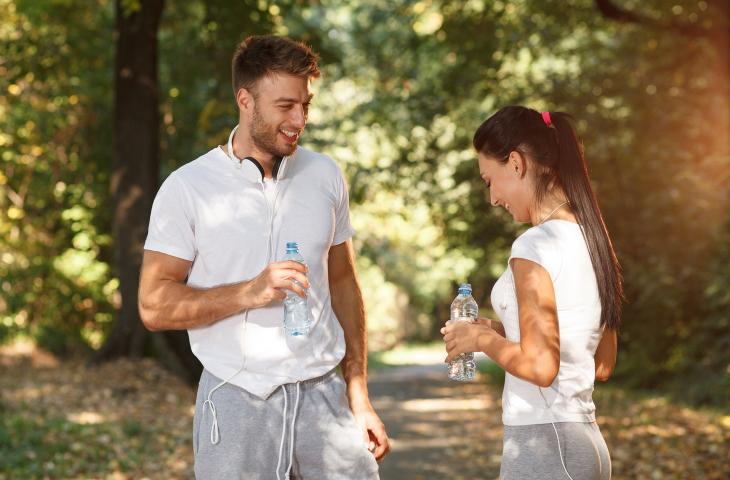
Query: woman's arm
[[605, 358], [536, 358], [497, 326]]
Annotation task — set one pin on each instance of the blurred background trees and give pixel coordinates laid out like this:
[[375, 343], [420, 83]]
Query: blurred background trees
[[405, 83]]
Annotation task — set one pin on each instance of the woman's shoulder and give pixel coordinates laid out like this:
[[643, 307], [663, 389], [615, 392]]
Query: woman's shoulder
[[544, 234], [546, 244], [552, 231]]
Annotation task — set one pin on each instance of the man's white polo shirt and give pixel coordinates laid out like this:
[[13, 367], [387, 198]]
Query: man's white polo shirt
[[215, 212]]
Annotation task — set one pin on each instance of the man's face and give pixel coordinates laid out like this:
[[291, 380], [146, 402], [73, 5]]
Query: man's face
[[281, 105]]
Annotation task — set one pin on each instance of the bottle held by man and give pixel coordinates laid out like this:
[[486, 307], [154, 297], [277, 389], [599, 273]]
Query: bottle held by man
[[296, 312], [463, 309]]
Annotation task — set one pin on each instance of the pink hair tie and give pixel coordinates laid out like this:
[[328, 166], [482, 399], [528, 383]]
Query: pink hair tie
[[546, 118]]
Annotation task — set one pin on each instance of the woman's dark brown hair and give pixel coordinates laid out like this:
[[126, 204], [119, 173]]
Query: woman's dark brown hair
[[557, 154]]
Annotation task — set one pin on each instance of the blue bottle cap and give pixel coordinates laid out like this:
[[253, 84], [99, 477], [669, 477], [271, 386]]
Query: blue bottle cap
[[292, 246], [465, 288]]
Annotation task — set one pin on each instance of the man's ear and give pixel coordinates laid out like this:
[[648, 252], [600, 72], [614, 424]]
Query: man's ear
[[244, 99], [517, 163]]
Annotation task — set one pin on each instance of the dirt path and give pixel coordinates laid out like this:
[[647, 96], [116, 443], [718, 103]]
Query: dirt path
[[439, 429], [62, 420], [449, 430]]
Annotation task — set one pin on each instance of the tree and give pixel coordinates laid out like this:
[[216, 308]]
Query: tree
[[404, 85], [206, 31], [134, 181]]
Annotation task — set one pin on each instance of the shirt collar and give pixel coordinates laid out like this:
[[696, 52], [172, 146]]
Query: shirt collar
[[252, 168]]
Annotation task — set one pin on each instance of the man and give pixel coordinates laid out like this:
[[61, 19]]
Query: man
[[268, 404]]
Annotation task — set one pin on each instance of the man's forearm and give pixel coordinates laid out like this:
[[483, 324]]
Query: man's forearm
[[174, 306], [348, 306]]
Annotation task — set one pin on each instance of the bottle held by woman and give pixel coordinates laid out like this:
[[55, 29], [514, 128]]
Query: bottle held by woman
[[463, 309]]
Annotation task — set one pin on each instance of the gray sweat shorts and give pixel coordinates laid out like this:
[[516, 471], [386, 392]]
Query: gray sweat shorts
[[531, 452], [327, 443]]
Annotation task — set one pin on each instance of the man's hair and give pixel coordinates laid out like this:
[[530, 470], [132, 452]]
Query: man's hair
[[261, 55]]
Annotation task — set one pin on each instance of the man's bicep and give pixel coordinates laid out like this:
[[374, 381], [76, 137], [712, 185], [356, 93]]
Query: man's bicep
[[158, 266], [340, 262]]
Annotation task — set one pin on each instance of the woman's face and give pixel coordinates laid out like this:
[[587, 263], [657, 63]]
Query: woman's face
[[509, 185]]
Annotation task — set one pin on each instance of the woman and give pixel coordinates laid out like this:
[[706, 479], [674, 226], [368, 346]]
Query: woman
[[559, 300]]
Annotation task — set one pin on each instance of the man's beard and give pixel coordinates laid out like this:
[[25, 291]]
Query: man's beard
[[265, 137]]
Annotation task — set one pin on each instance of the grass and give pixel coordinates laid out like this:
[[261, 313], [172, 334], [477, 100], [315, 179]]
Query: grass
[[131, 419], [122, 420], [32, 446]]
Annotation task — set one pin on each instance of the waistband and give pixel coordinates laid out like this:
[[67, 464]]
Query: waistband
[[311, 382], [316, 380]]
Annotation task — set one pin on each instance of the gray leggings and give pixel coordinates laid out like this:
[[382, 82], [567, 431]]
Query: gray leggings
[[531, 452]]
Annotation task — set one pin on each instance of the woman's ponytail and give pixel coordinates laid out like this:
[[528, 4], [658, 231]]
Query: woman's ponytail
[[552, 143], [572, 173]]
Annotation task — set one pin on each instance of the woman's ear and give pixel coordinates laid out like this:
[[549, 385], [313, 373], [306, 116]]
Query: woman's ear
[[517, 163]]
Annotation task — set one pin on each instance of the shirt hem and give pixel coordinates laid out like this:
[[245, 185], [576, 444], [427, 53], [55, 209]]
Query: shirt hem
[[342, 238], [548, 418], [168, 250], [245, 379]]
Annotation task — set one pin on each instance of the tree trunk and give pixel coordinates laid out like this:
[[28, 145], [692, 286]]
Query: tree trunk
[[134, 182]]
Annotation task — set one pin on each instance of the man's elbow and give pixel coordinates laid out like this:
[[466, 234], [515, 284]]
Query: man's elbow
[[603, 373], [545, 380], [545, 374], [149, 317]]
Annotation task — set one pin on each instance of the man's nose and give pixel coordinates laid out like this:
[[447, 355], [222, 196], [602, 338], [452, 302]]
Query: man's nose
[[299, 116]]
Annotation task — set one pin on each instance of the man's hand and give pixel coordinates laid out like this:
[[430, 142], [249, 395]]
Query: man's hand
[[373, 431], [269, 285]]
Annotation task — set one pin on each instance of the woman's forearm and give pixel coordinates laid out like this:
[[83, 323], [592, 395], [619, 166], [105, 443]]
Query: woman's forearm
[[530, 364]]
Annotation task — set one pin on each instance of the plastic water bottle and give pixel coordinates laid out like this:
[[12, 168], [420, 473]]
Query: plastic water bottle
[[463, 309], [296, 312]]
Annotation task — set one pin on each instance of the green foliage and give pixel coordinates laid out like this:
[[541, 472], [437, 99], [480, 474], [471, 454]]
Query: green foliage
[[402, 123], [706, 351], [650, 123], [54, 241], [493, 373], [404, 85]]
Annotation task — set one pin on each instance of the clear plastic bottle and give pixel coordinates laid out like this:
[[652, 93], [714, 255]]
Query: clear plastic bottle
[[463, 309], [296, 312]]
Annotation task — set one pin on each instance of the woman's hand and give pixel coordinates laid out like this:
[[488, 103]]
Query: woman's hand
[[463, 337]]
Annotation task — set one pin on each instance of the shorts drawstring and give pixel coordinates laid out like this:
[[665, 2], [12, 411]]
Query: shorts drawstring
[[283, 434], [215, 436], [293, 420]]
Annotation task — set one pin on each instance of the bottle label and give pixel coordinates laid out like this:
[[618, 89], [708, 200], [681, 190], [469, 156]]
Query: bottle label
[[463, 319]]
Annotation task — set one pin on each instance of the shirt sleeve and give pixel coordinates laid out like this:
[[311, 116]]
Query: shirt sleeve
[[540, 247], [343, 227], [172, 229]]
